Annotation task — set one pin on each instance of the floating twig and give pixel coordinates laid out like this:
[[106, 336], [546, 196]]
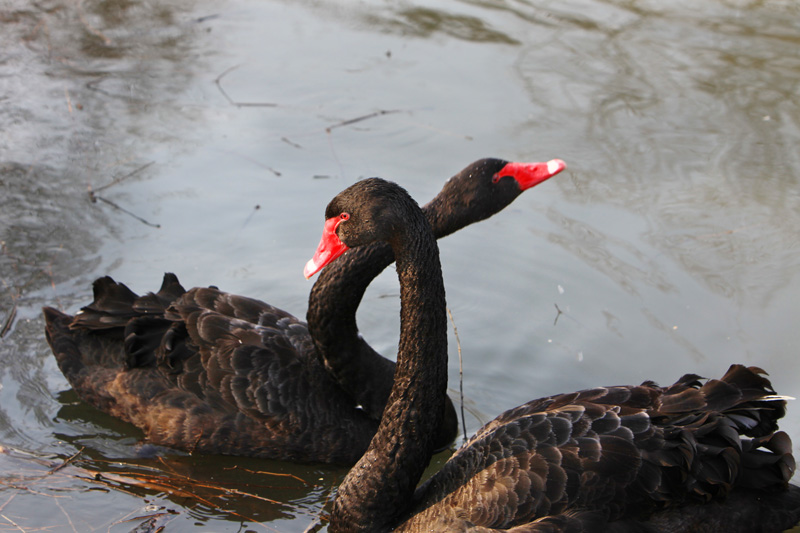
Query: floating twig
[[12, 523], [10, 320], [94, 197], [207, 18], [252, 214], [126, 176], [66, 514], [263, 472], [315, 524], [558, 315], [290, 142], [230, 100], [362, 118], [66, 461]]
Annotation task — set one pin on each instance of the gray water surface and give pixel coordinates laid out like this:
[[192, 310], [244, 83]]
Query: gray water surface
[[211, 138]]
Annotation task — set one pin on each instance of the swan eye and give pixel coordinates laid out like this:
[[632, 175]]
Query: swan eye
[[345, 216], [496, 178]]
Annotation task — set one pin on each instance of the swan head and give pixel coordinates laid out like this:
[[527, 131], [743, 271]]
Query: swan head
[[486, 187], [370, 210]]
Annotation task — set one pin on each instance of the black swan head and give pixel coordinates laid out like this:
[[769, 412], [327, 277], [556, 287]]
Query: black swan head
[[377, 213], [483, 189]]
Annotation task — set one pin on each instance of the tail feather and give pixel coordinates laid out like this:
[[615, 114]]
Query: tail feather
[[767, 461], [115, 331], [157, 303], [737, 442], [115, 304], [89, 365], [61, 342], [112, 306]]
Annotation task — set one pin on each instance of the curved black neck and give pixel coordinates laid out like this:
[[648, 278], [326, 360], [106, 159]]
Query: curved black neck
[[363, 373], [371, 496]]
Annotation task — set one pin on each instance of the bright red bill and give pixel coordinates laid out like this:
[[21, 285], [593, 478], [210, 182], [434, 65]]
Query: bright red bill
[[330, 247], [530, 174]]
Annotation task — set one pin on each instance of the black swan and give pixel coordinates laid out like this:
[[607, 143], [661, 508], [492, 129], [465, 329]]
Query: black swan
[[213, 372], [626, 458]]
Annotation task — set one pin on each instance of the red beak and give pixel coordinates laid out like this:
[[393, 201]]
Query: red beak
[[330, 247], [530, 174]]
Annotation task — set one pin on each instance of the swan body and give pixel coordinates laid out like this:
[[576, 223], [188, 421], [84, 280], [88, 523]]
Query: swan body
[[694, 456], [212, 372]]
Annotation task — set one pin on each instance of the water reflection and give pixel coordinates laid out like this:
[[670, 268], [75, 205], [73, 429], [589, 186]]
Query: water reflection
[[616, 258], [703, 105], [425, 22], [88, 86], [81, 112]]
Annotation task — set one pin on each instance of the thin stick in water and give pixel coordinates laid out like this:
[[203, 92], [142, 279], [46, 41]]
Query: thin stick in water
[[66, 461], [9, 320], [126, 176], [460, 373], [95, 197], [558, 315]]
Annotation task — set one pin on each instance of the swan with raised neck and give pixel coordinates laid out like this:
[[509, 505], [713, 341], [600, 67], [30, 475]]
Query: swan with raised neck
[[690, 457]]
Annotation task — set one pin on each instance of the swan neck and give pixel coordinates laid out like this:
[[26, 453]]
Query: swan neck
[[332, 305], [380, 487], [361, 372]]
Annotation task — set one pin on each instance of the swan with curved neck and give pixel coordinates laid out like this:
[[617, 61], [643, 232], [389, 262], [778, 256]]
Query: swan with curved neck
[[635, 458], [476, 193], [213, 372]]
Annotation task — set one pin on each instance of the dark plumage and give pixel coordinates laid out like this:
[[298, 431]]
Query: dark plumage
[[213, 372], [626, 458]]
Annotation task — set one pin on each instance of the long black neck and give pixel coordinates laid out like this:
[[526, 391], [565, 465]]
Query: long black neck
[[380, 487], [362, 372]]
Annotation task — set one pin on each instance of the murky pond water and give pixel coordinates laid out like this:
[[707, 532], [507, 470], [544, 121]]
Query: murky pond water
[[212, 137]]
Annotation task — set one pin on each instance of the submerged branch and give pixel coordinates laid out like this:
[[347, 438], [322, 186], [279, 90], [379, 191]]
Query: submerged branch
[[460, 373]]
